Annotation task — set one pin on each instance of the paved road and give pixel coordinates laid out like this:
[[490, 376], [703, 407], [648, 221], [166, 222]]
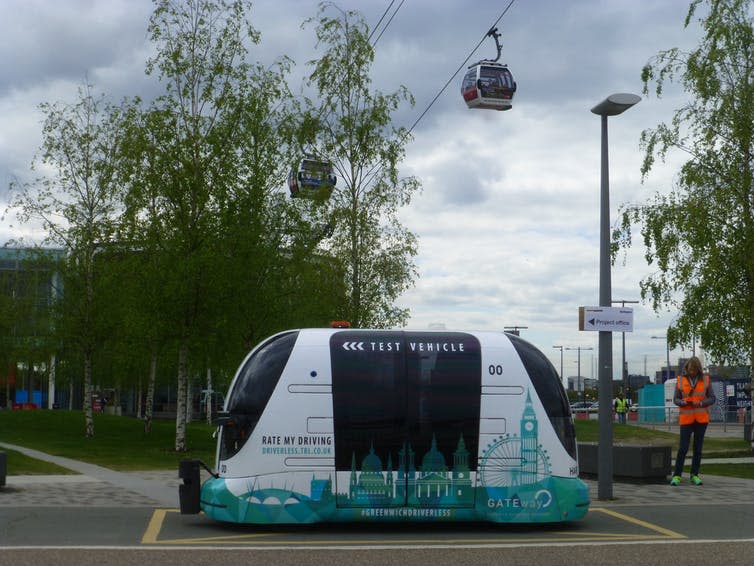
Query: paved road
[[101, 516], [701, 553]]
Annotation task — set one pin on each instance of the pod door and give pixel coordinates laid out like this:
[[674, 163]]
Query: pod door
[[406, 411], [444, 391], [369, 411]]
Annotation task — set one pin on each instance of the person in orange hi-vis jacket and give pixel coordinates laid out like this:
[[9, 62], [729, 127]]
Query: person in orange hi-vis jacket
[[693, 395]]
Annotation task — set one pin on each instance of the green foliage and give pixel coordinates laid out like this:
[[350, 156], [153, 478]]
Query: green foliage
[[233, 261], [182, 250], [700, 235]]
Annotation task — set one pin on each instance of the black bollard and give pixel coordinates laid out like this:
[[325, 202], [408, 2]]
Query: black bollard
[[3, 468], [188, 491]]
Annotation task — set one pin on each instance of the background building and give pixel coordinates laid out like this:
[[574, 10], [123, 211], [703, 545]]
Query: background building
[[29, 284]]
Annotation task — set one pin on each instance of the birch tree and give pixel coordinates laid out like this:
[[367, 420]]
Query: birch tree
[[353, 128], [192, 143], [700, 235], [77, 202]]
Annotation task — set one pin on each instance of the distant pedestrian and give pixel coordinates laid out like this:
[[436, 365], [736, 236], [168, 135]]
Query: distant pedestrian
[[693, 395], [621, 408]]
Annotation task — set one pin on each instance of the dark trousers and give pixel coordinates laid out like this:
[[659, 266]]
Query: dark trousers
[[698, 430]]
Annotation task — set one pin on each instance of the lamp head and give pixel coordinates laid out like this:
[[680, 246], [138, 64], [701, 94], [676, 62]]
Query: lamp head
[[616, 104]]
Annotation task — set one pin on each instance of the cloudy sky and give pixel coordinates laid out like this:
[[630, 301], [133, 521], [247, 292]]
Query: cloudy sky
[[508, 219]]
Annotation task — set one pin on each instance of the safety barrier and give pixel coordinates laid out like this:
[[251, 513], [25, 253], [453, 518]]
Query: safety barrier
[[629, 460], [669, 414]]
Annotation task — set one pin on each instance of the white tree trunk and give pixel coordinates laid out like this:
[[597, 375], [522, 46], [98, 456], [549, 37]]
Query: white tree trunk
[[88, 416], [138, 399], [180, 413], [51, 383], [189, 400], [148, 409], [209, 396]]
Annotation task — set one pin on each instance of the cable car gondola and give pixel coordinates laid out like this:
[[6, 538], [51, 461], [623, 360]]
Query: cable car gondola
[[313, 178], [489, 84]]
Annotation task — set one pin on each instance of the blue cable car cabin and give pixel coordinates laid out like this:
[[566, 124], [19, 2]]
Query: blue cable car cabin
[[312, 179], [488, 85]]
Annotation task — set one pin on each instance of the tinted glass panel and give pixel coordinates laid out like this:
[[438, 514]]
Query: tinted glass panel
[[444, 376], [260, 375], [550, 390], [253, 389], [469, 80], [406, 410], [369, 398]]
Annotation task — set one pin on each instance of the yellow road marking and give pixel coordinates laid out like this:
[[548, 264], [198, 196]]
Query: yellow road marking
[[158, 518], [635, 521], [154, 527]]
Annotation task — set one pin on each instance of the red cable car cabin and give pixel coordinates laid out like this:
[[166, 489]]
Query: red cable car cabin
[[488, 85]]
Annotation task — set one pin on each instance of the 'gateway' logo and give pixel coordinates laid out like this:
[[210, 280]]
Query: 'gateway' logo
[[352, 346]]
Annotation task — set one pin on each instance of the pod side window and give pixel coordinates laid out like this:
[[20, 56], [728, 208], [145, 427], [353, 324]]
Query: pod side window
[[550, 391], [253, 389]]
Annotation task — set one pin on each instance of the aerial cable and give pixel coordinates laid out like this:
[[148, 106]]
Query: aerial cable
[[388, 22], [376, 27], [381, 18]]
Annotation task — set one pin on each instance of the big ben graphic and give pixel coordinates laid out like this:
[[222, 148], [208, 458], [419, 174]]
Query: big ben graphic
[[516, 460], [529, 443]]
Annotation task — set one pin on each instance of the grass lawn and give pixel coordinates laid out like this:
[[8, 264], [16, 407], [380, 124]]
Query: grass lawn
[[30, 466], [729, 470], [588, 431], [119, 443]]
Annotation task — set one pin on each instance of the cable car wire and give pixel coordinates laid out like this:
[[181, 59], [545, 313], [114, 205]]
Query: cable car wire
[[388, 22], [376, 27], [382, 18], [373, 170]]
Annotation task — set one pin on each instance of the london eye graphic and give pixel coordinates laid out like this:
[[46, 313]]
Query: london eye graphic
[[509, 461]]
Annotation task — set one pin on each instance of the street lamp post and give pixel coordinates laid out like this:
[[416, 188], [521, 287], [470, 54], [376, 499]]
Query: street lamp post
[[578, 369], [624, 369], [561, 361], [667, 352], [515, 330], [611, 106]]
